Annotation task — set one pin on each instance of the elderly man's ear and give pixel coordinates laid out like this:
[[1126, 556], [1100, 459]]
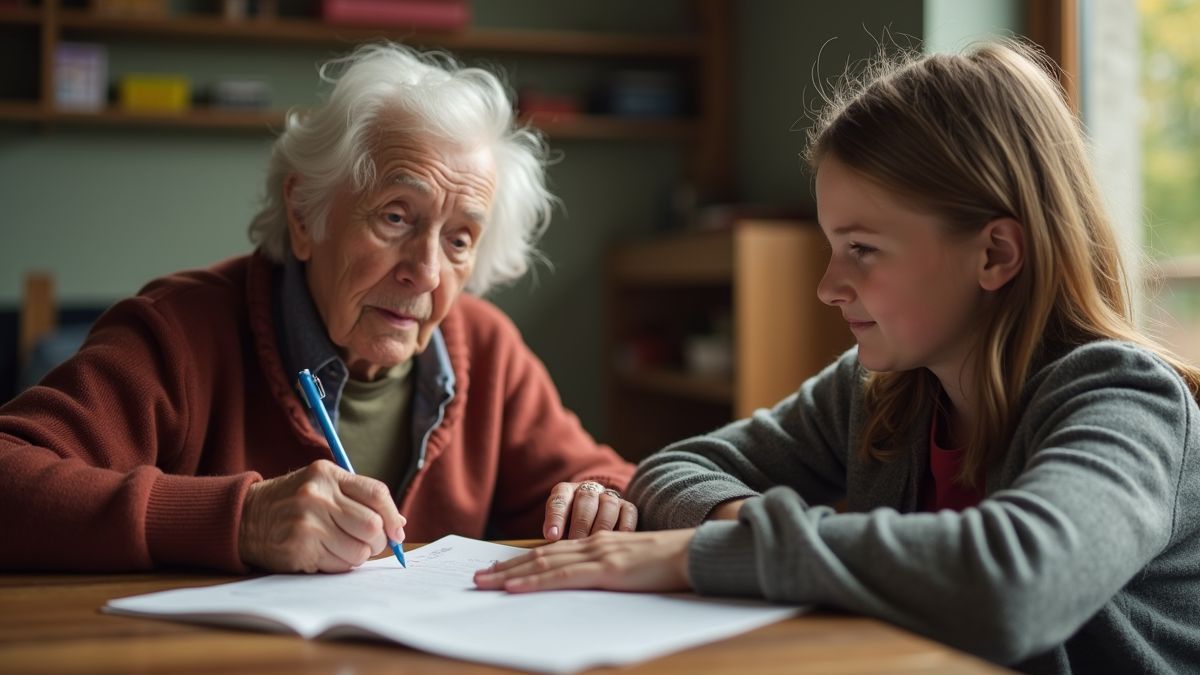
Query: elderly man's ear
[[298, 233]]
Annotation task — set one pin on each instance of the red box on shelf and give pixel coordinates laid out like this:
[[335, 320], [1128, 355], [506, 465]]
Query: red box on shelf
[[534, 104], [426, 14]]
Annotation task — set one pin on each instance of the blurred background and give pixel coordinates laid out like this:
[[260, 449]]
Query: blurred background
[[680, 293]]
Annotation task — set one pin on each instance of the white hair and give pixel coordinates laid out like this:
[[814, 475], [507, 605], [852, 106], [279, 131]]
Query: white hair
[[330, 145]]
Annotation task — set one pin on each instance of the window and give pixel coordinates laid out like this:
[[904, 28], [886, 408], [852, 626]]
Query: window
[[1170, 149]]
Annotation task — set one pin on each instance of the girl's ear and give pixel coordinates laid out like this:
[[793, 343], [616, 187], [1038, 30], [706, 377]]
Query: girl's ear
[[1004, 252], [298, 233]]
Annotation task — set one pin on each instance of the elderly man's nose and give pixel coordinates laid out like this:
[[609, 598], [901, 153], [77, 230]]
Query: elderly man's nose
[[421, 265]]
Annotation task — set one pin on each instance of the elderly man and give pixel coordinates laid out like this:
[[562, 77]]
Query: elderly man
[[176, 436]]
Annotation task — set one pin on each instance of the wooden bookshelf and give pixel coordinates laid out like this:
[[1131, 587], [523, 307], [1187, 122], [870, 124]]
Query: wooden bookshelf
[[600, 128], [762, 275], [706, 135], [21, 111], [678, 383], [20, 16], [582, 127], [694, 258], [310, 31]]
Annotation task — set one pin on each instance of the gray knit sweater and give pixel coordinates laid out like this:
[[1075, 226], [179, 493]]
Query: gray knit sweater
[[1083, 557]]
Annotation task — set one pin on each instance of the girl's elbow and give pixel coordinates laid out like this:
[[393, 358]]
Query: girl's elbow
[[1017, 624]]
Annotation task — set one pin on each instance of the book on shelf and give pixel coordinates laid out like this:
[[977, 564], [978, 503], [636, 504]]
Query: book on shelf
[[445, 15], [80, 76]]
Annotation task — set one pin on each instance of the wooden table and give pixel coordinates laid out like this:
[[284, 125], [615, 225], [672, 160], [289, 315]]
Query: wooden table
[[51, 623]]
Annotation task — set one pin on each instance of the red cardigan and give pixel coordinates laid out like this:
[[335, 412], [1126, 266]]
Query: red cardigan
[[138, 452]]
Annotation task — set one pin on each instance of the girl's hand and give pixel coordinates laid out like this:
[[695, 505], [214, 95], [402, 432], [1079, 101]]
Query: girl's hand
[[615, 561], [589, 507]]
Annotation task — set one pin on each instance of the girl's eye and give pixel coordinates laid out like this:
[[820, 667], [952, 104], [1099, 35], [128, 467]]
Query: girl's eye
[[861, 251]]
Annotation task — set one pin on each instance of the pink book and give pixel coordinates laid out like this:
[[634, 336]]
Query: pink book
[[428, 14]]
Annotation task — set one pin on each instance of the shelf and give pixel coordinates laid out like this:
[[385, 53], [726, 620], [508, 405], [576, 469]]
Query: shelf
[[59, 23], [681, 260], [583, 127], [312, 31], [766, 272], [21, 111], [601, 128], [703, 48], [20, 16], [706, 388]]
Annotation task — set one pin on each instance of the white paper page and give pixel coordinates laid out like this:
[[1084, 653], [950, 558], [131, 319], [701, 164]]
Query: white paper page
[[438, 579], [433, 606], [568, 631]]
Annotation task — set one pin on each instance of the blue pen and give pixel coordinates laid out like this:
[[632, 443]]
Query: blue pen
[[313, 392]]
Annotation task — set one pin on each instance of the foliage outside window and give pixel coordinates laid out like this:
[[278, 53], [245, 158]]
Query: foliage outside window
[[1170, 82]]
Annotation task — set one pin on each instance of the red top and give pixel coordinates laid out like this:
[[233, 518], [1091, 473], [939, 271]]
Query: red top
[[944, 491], [138, 451]]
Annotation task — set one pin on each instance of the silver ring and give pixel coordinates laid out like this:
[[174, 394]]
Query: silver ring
[[590, 486], [613, 493]]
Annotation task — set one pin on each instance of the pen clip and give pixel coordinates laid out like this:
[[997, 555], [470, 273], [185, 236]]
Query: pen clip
[[306, 377]]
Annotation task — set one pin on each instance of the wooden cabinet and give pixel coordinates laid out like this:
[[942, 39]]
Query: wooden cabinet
[[674, 303]]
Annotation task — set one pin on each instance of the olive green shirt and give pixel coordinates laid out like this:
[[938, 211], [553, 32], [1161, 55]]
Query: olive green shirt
[[375, 423]]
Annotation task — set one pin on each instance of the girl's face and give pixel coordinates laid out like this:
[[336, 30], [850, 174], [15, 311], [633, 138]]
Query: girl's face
[[910, 292]]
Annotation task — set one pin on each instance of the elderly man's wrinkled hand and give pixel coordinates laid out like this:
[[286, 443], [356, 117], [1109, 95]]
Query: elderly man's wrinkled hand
[[588, 507], [615, 561], [320, 518]]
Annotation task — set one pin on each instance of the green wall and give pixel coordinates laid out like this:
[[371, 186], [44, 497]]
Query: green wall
[[107, 209], [786, 50]]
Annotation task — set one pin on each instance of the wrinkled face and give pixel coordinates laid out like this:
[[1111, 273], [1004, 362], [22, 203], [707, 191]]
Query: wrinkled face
[[910, 292], [395, 257]]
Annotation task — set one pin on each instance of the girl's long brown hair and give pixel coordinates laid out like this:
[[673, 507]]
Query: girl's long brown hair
[[972, 138]]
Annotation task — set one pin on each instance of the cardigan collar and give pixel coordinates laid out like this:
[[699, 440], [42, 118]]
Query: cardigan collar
[[289, 335]]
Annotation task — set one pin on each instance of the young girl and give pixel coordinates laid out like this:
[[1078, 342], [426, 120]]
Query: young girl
[[1017, 463]]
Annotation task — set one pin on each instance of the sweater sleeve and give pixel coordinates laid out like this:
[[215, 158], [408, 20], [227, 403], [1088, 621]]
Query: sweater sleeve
[[543, 444], [1109, 431], [87, 459], [800, 442]]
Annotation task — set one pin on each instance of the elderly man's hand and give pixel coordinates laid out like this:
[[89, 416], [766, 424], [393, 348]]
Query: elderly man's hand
[[320, 518], [589, 508]]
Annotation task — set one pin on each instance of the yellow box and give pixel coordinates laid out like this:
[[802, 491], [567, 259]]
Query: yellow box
[[154, 93]]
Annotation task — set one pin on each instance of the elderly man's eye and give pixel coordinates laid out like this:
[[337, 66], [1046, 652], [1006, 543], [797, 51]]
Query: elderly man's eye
[[395, 218]]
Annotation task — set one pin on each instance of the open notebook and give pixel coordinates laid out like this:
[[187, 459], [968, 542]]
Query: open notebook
[[433, 606]]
